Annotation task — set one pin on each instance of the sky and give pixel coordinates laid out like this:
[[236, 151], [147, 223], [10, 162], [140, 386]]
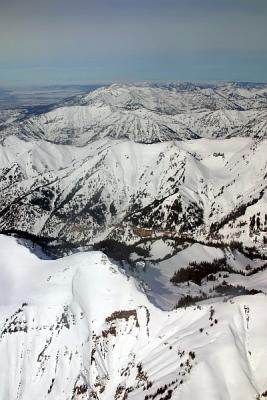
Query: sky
[[102, 41]]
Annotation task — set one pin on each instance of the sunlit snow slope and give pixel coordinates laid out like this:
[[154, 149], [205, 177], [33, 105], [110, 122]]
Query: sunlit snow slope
[[202, 189], [80, 328]]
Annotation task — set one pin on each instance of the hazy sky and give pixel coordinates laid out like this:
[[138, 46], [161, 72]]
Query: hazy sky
[[59, 41]]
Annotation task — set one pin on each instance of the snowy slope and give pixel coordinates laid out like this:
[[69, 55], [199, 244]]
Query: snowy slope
[[117, 189], [79, 328]]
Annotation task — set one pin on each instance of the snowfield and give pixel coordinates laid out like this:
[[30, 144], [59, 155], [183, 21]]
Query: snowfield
[[80, 328]]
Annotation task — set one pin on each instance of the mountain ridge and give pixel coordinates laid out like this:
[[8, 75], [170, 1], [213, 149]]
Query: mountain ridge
[[149, 114], [100, 338]]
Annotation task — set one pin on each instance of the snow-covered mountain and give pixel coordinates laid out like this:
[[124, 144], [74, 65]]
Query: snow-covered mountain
[[149, 113], [81, 328], [169, 182], [209, 190]]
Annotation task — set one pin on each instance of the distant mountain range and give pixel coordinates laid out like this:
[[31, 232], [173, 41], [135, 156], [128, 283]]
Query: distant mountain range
[[148, 114]]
